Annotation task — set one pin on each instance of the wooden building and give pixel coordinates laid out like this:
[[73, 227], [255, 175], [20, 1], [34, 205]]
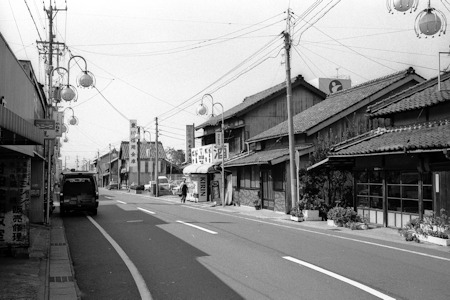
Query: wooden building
[[263, 172], [401, 168]]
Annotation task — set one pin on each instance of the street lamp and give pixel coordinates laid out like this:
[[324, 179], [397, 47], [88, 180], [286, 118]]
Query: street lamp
[[73, 120], [68, 92], [203, 110]]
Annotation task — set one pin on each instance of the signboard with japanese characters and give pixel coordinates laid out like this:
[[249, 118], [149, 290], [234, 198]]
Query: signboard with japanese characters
[[209, 154], [59, 119], [48, 126], [15, 178], [133, 144], [190, 142]]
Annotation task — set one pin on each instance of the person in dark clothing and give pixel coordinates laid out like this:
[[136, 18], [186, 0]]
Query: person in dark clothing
[[184, 189]]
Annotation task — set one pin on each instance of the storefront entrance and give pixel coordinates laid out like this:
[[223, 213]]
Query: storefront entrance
[[268, 197]]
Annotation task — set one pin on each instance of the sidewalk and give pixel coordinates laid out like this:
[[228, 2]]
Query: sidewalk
[[46, 273]]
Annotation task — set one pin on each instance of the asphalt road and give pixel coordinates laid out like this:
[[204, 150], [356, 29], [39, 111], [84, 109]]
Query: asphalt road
[[186, 252]]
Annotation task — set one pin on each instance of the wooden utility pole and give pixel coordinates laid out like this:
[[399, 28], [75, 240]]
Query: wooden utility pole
[[293, 175]]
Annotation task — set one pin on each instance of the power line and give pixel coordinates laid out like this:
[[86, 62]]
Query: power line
[[35, 26]]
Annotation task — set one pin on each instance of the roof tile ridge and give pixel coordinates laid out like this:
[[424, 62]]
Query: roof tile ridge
[[406, 72], [359, 138]]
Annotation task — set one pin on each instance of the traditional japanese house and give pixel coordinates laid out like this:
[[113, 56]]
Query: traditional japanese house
[[263, 173], [402, 167]]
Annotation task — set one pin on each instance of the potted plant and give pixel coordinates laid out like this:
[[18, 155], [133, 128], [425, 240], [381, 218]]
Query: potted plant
[[340, 216], [257, 203], [310, 207], [137, 189], [433, 229], [296, 213]]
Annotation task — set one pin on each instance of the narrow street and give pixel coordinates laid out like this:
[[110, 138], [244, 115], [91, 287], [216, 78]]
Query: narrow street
[[193, 252]]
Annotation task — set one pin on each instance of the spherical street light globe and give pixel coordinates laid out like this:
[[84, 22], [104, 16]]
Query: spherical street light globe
[[66, 139], [430, 23], [202, 110], [67, 93], [403, 5], [64, 128], [73, 121], [86, 80]]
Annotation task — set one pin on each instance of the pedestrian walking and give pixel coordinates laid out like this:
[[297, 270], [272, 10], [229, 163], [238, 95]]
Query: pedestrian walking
[[184, 189]]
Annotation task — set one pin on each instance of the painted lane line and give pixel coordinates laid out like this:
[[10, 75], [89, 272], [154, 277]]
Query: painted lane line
[[138, 279], [198, 227], [341, 278], [135, 221], [146, 211], [326, 234], [121, 202]]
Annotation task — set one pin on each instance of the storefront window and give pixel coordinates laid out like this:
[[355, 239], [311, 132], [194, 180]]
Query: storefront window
[[249, 177]]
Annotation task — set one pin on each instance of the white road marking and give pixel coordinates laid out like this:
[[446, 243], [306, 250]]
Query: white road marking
[[138, 279], [108, 197], [121, 202], [135, 221], [198, 227], [146, 211], [326, 234], [339, 277]]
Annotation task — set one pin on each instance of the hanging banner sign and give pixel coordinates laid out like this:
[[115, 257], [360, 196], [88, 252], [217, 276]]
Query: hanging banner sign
[[48, 126], [209, 154]]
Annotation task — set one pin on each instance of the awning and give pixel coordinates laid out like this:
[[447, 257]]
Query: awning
[[200, 169], [269, 157], [17, 131], [337, 162]]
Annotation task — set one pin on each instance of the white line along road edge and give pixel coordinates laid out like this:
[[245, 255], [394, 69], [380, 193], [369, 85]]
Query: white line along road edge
[[339, 277], [140, 282], [198, 227]]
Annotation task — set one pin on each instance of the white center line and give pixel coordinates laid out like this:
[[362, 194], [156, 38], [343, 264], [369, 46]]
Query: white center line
[[146, 211], [121, 202], [339, 277], [134, 221], [198, 227]]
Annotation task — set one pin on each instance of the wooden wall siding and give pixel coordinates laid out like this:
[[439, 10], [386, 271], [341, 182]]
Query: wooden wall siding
[[274, 111], [442, 198]]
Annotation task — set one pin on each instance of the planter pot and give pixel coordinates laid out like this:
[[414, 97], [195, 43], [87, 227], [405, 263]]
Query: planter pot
[[136, 191], [311, 215], [434, 240], [331, 223], [296, 219], [362, 226], [257, 207]]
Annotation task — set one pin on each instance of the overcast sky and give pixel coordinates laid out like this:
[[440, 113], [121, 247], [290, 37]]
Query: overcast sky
[[157, 58]]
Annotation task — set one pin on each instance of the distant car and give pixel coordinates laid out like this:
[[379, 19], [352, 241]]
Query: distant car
[[112, 185], [162, 181]]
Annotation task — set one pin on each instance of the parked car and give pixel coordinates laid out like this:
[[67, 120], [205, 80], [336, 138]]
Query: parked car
[[78, 191], [163, 184], [112, 185]]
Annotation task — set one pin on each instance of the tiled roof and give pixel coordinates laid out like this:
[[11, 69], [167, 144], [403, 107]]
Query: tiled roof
[[418, 137], [254, 100], [419, 96], [124, 150], [332, 105], [259, 157]]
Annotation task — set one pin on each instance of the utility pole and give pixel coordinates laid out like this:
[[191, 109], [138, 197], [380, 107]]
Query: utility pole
[[110, 169], [156, 158], [49, 143], [293, 175]]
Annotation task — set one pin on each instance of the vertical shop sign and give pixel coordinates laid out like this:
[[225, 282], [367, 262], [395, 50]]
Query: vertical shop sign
[[190, 143], [202, 190], [15, 202], [133, 144]]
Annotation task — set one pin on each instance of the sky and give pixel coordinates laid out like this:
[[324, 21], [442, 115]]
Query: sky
[[156, 59]]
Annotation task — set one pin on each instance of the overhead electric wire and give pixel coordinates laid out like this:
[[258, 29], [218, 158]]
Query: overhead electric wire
[[18, 30], [34, 22], [186, 102], [307, 65]]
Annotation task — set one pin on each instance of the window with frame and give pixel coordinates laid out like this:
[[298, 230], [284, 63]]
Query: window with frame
[[403, 191], [369, 189], [278, 174], [249, 177]]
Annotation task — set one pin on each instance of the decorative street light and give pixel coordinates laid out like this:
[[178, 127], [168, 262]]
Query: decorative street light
[[73, 120], [203, 110], [68, 92], [429, 22]]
